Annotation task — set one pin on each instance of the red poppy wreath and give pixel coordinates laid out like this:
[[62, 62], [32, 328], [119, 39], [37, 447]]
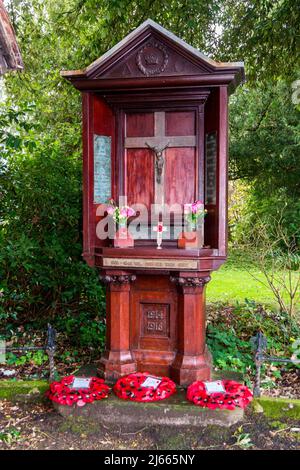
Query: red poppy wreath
[[235, 395], [144, 387], [62, 392]]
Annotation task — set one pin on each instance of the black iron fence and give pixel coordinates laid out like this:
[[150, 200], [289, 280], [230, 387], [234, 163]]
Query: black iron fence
[[49, 348], [260, 344]]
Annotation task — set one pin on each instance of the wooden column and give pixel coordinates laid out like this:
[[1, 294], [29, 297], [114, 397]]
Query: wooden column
[[193, 360], [117, 359]]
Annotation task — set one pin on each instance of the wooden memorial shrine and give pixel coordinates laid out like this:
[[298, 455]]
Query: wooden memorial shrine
[[155, 118]]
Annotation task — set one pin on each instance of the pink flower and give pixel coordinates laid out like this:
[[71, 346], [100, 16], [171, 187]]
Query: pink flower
[[126, 211], [187, 208], [197, 206], [130, 212], [110, 210]]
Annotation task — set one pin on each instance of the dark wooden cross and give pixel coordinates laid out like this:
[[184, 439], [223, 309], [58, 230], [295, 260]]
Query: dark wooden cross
[[158, 144]]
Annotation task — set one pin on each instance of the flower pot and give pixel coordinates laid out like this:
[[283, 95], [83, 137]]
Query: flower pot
[[190, 240], [123, 239]]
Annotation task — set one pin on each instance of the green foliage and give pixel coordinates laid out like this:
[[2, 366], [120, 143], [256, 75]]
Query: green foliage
[[243, 440], [36, 358], [10, 435], [264, 33], [265, 151], [230, 329], [229, 352], [83, 330], [41, 270]]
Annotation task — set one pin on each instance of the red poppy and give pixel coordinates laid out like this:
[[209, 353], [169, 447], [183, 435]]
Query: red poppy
[[236, 395], [130, 388], [62, 392]]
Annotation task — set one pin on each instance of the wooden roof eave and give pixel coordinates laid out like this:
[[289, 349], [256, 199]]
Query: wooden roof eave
[[231, 78]]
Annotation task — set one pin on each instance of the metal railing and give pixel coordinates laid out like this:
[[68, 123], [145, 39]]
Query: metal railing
[[49, 348], [260, 344]]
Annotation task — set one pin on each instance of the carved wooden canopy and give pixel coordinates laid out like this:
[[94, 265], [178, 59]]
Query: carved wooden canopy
[[10, 56], [149, 55]]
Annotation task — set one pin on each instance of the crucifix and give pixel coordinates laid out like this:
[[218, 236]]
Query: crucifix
[[159, 144]]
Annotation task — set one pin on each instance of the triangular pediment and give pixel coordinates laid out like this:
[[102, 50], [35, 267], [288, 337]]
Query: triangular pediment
[[154, 56], [150, 51]]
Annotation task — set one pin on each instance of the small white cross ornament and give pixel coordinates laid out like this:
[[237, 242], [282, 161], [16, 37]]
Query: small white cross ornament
[[159, 229]]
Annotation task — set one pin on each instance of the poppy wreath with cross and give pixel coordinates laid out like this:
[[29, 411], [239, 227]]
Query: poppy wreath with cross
[[62, 392], [235, 396], [130, 388]]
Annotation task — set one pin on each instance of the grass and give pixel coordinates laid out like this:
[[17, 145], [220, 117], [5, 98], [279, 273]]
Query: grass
[[12, 389], [233, 282], [280, 407]]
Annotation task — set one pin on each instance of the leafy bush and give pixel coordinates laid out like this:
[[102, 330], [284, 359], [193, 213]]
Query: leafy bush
[[83, 330], [229, 352], [230, 329], [36, 358], [41, 270]]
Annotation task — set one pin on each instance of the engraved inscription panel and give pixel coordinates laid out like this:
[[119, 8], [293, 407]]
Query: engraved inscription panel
[[150, 263], [211, 168], [155, 320], [102, 168]]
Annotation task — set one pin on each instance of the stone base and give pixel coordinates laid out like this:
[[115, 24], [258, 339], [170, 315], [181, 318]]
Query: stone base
[[174, 411]]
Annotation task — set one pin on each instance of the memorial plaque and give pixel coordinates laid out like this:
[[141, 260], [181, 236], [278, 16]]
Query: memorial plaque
[[153, 382], [102, 168], [150, 263], [81, 382], [156, 320], [211, 168]]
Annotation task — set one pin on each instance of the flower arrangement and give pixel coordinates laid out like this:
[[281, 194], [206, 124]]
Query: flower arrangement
[[119, 214], [194, 212], [130, 388], [62, 392], [236, 395]]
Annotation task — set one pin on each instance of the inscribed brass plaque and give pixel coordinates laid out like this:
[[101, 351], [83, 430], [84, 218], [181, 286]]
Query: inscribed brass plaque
[[150, 263]]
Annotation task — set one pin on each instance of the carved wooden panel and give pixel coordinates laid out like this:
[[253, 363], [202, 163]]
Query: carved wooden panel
[[154, 57], [154, 313], [155, 320]]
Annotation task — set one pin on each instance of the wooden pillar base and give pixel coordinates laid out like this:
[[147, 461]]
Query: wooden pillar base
[[114, 365], [187, 369], [117, 359], [193, 360]]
